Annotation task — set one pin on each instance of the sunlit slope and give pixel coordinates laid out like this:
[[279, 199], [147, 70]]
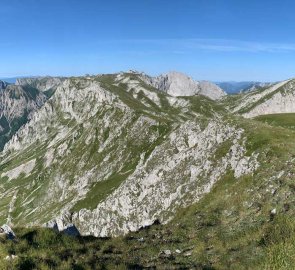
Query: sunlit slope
[[242, 223], [273, 99], [112, 154]]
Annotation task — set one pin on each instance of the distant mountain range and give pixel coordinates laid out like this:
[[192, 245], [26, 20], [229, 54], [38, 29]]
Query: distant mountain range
[[232, 87]]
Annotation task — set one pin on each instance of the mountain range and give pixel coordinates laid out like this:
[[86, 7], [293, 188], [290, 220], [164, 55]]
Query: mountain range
[[114, 153], [230, 87]]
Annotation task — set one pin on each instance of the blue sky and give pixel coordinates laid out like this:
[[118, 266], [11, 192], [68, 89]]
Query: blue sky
[[207, 39]]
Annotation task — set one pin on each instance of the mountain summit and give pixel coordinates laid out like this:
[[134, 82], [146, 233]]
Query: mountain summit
[[178, 84]]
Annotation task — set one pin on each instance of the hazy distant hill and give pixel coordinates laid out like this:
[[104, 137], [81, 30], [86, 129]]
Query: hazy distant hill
[[233, 87]]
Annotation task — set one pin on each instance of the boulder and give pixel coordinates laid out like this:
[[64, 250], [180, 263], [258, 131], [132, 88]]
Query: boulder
[[6, 232], [63, 226]]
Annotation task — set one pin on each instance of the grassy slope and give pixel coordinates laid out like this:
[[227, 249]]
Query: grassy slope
[[286, 120], [230, 228]]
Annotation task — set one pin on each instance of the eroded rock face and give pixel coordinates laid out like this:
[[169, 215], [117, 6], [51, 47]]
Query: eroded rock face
[[179, 84], [17, 104], [280, 102], [273, 99], [176, 84], [110, 154], [64, 225], [15, 101], [177, 173], [43, 84]]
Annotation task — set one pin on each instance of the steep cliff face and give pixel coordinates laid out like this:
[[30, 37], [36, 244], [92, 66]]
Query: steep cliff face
[[112, 154], [155, 190], [47, 85], [17, 104], [211, 90], [19, 101], [179, 84]]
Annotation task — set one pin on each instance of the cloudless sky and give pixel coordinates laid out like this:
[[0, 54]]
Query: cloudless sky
[[207, 39]]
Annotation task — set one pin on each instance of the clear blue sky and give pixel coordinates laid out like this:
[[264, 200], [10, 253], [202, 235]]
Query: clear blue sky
[[208, 39]]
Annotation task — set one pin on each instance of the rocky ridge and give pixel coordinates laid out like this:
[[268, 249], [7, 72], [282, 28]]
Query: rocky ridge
[[17, 104], [113, 153], [270, 99], [98, 158], [43, 84], [190, 182], [19, 101], [179, 84]]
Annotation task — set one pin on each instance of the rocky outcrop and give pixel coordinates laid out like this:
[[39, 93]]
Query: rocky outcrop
[[64, 225], [282, 101], [179, 84], [186, 171], [7, 232], [210, 90], [117, 155], [277, 98], [43, 84], [17, 104]]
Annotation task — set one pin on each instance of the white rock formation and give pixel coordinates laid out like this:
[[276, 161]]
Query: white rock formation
[[280, 102], [15, 101], [25, 168], [278, 98], [155, 191], [179, 84]]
